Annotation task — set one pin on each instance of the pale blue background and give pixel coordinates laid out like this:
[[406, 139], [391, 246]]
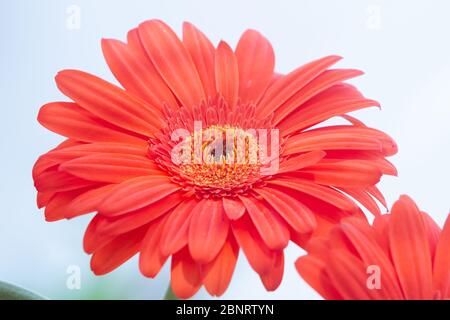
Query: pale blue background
[[401, 45]]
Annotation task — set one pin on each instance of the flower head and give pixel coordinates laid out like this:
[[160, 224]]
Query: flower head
[[403, 255], [206, 151]]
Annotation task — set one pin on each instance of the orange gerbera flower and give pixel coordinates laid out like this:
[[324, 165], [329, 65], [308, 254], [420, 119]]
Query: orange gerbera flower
[[117, 160], [403, 255]]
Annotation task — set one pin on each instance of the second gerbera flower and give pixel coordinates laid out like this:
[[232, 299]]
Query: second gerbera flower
[[117, 158]]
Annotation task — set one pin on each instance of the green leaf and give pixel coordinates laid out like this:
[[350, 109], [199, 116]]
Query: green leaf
[[11, 292], [169, 294]]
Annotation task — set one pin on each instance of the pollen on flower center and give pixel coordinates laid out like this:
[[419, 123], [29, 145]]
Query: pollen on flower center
[[220, 158], [212, 150]]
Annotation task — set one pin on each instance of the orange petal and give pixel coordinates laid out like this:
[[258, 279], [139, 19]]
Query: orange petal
[[136, 73], [272, 279], [53, 180], [109, 102], [93, 239], [410, 249], [109, 167], [217, 274], [151, 259], [56, 207], [117, 251], [176, 230], [312, 269], [137, 193], [324, 81], [323, 193], [208, 230], [286, 86], [87, 201], [234, 208], [348, 275], [297, 215], [273, 231], [361, 236], [135, 219], [202, 53], [227, 74], [345, 173], [364, 198], [173, 62], [71, 121], [298, 162], [259, 256], [185, 277], [441, 266], [256, 61]]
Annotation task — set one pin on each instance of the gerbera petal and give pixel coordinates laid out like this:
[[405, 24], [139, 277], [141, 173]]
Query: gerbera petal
[[58, 156], [259, 256], [381, 231], [69, 120], [136, 73], [46, 161], [297, 215], [410, 249], [273, 231], [132, 220], [361, 236], [55, 209], [312, 269], [53, 180], [86, 149], [43, 198], [234, 208], [109, 167], [176, 231], [347, 173], [286, 86], [109, 102], [217, 274], [336, 138], [298, 162], [227, 73], [348, 275], [272, 279], [433, 232], [324, 81], [87, 201], [202, 53], [317, 111], [323, 193], [137, 193], [151, 259], [117, 251], [375, 192], [173, 62], [185, 275], [441, 266], [93, 239], [208, 230], [256, 61], [364, 198]]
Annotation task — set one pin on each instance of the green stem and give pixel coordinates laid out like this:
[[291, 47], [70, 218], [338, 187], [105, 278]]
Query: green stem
[[169, 294], [12, 292]]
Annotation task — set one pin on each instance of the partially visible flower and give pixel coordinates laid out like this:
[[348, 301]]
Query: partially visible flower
[[404, 251], [117, 160]]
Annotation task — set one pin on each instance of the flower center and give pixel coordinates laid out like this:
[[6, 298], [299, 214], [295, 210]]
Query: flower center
[[212, 150], [220, 159]]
